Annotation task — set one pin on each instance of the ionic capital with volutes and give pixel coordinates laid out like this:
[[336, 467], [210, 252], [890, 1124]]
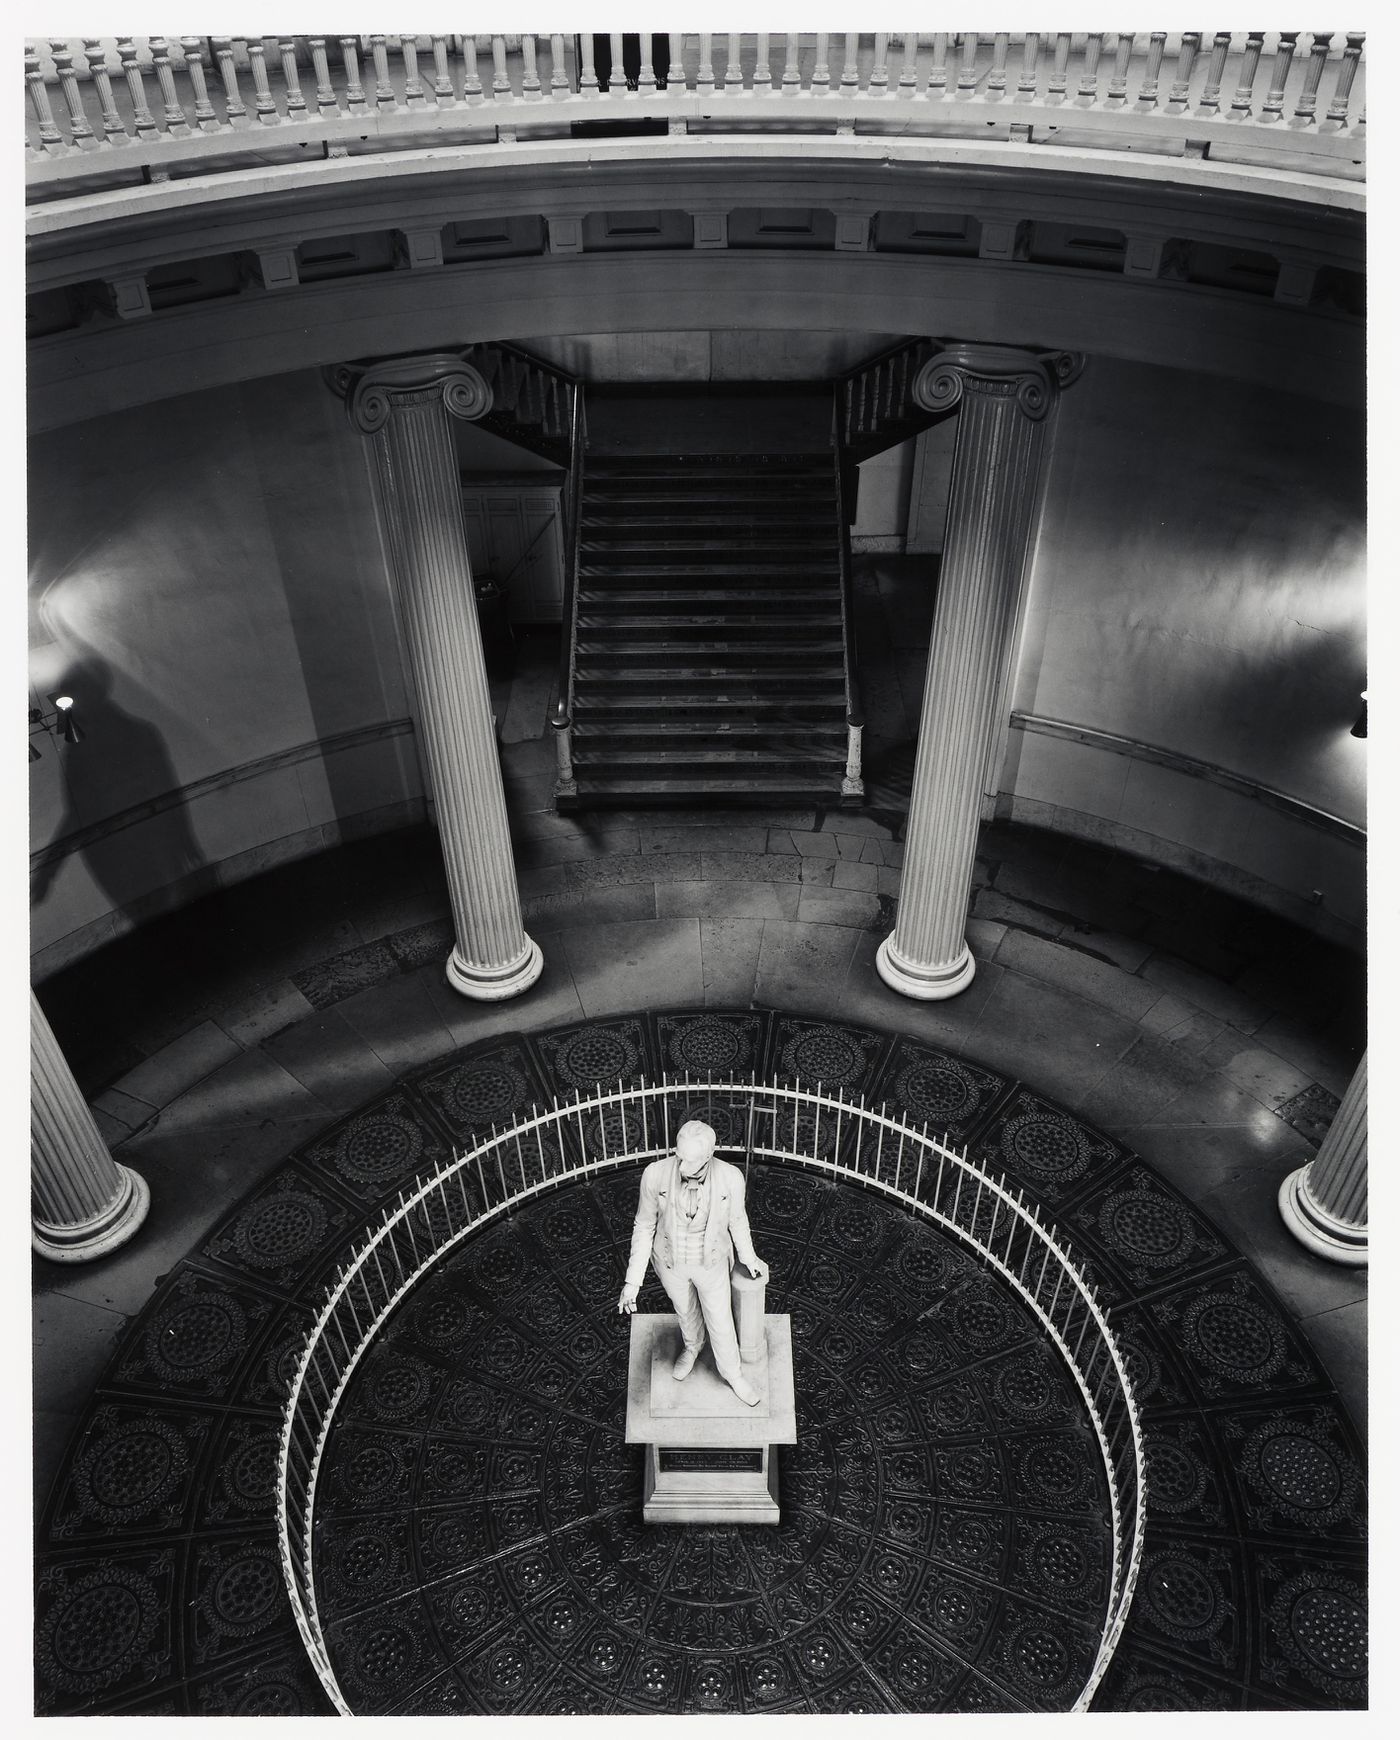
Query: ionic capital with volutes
[[1031, 377], [374, 389]]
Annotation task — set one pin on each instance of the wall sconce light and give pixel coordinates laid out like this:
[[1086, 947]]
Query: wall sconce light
[[1359, 729], [60, 723]]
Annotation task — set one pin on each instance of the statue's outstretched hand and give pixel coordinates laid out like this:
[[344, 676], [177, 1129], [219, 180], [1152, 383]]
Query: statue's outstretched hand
[[627, 1300], [758, 1269]]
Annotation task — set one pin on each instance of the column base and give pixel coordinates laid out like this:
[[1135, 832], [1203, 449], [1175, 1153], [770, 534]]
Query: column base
[[94, 1238], [496, 985], [1337, 1240], [928, 984]]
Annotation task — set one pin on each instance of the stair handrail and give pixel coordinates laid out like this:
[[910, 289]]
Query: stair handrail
[[565, 784], [852, 782], [507, 420], [890, 374]]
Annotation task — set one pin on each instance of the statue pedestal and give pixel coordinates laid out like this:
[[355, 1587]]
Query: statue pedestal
[[709, 1457]]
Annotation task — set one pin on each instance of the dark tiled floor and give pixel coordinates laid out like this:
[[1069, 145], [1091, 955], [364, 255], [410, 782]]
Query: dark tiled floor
[[1172, 1018]]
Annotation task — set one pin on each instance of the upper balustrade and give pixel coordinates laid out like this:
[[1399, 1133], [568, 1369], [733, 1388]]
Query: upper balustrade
[[119, 112]]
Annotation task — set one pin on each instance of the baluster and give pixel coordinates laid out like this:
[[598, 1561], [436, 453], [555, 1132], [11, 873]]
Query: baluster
[[50, 139], [1215, 72], [938, 73], [471, 78], [113, 127], [734, 70], [1179, 102], [1030, 69], [646, 76], [879, 72], [792, 76], [996, 79], [558, 73], [1118, 83], [821, 69], [762, 71], [1151, 78], [414, 96], [264, 106], [192, 48], [1088, 93], [705, 77], [1336, 120], [1059, 71], [1283, 60], [908, 72], [675, 72], [296, 102], [442, 74], [79, 132], [355, 100], [967, 68], [144, 120], [617, 76], [529, 77], [850, 63], [1243, 103], [177, 123], [384, 97], [1306, 105]]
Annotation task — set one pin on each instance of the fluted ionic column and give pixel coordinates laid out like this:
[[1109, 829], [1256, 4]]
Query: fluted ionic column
[[402, 406], [84, 1203], [1004, 397], [1323, 1204]]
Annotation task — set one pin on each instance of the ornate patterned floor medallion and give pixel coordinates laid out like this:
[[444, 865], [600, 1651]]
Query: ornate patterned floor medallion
[[480, 1548]]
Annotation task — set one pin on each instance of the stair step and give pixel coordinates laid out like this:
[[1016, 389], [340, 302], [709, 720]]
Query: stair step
[[736, 570], [690, 598], [735, 491], [789, 787], [729, 677], [707, 729], [642, 545], [719, 652]]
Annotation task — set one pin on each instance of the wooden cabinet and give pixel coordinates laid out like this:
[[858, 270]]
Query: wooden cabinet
[[515, 530]]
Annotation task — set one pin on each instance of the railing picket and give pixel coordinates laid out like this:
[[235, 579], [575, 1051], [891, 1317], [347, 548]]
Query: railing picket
[[530, 75], [80, 132], [264, 104], [1215, 73], [1179, 100], [762, 70], [1029, 80], [1152, 73], [142, 118], [1336, 119], [355, 100], [675, 72], [792, 76], [850, 63], [879, 71], [296, 101], [821, 66], [50, 139], [177, 122], [471, 73], [444, 92], [938, 69], [1088, 93], [996, 78], [1242, 104], [558, 71], [705, 76], [734, 67], [1278, 80], [967, 68], [113, 127], [414, 96], [1118, 80], [1059, 72]]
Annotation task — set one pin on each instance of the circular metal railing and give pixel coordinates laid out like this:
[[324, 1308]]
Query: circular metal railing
[[625, 1126]]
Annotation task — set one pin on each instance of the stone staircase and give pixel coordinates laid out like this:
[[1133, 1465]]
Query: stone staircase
[[710, 652]]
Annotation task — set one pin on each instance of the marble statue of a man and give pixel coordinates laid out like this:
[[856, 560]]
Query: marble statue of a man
[[689, 1213]]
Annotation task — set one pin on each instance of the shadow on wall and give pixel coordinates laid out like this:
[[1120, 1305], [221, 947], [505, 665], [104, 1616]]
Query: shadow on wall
[[168, 856]]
